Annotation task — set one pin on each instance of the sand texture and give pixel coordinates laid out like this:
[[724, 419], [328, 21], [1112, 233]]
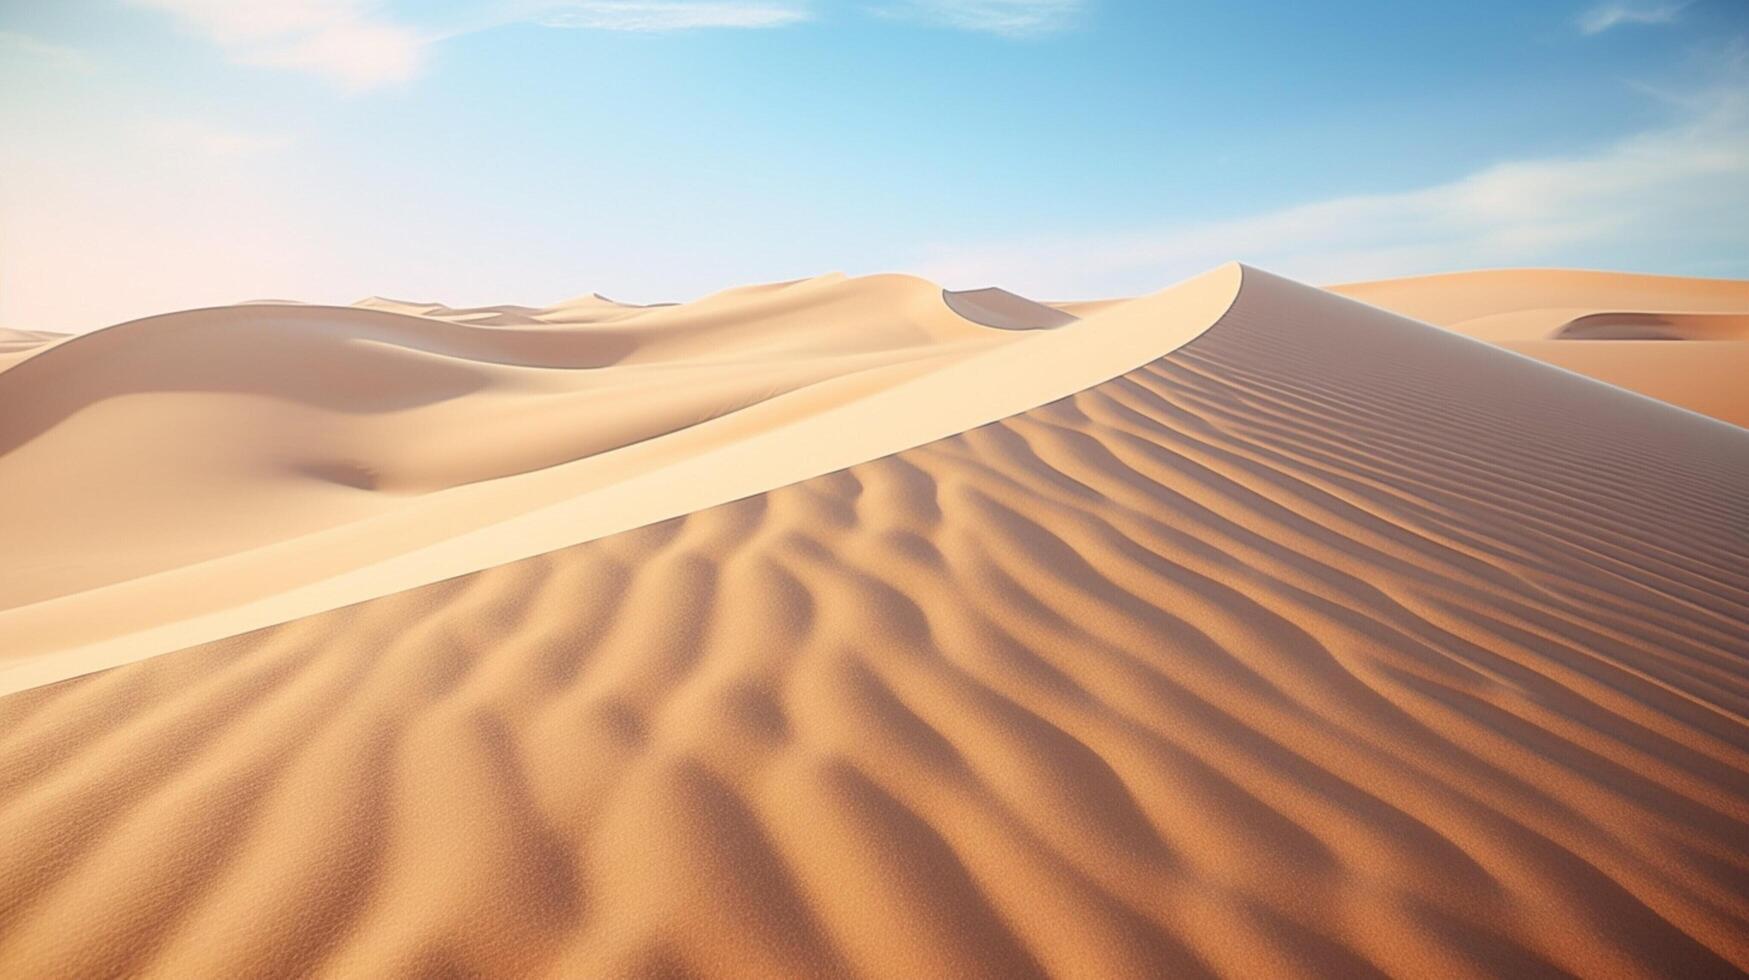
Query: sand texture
[[193, 476], [1322, 642]]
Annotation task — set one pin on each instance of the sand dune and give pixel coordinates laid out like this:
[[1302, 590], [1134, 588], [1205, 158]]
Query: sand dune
[[1655, 326], [1004, 310], [195, 476], [1598, 324], [1325, 643], [309, 417], [16, 345]]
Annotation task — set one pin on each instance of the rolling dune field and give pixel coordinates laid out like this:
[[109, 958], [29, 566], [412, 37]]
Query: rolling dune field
[[1296, 637]]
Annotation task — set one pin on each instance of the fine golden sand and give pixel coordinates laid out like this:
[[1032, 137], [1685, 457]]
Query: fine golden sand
[[1327, 643]]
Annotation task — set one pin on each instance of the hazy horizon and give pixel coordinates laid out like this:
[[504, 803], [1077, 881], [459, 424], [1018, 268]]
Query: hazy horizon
[[182, 153]]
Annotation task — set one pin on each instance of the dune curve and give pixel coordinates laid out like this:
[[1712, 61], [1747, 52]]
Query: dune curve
[[1655, 326], [908, 381], [1004, 310], [1327, 644], [16, 345]]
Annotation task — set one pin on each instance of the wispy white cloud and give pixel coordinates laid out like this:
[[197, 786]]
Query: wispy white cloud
[[1614, 14], [25, 47], [349, 42], [657, 15], [1685, 185], [1008, 18], [358, 45]]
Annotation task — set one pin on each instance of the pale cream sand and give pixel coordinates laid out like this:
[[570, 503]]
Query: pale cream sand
[[1316, 641]]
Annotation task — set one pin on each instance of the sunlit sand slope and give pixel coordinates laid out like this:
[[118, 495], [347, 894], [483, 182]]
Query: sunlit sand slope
[[184, 478], [165, 442], [1329, 643], [1683, 341]]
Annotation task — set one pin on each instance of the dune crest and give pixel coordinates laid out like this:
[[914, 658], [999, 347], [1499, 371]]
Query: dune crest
[[196, 475], [1655, 326], [1004, 310], [16, 345], [1328, 643]]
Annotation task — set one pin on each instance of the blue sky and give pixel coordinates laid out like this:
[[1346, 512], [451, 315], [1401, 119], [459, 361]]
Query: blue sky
[[163, 154]]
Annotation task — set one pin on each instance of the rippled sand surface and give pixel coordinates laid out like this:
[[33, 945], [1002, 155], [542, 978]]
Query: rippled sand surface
[[1329, 643]]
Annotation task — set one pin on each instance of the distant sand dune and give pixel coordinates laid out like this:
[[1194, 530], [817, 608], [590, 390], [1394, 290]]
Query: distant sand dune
[[1328, 643], [16, 345], [1550, 295], [1003, 310], [1656, 326], [1526, 310]]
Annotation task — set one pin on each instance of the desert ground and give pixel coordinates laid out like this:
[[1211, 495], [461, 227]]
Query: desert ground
[[851, 626]]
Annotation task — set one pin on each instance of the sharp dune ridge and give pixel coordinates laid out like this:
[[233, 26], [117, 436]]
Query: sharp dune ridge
[[1004, 310], [366, 409], [201, 474], [1321, 641], [16, 345]]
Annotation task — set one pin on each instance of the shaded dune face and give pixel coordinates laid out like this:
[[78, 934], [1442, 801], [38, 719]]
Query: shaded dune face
[[1656, 326], [1003, 310], [1329, 643]]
